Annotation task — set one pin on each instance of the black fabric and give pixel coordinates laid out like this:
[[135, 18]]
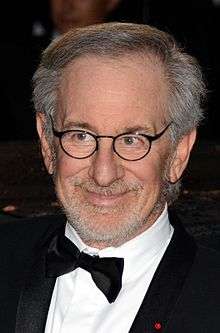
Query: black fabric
[[35, 300], [167, 284], [63, 257], [21, 245], [184, 295]]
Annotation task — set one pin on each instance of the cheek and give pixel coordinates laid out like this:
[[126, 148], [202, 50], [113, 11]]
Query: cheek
[[149, 172], [69, 167], [66, 169], [150, 176]]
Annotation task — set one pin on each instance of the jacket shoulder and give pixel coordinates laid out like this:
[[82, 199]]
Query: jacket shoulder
[[23, 235], [208, 261]]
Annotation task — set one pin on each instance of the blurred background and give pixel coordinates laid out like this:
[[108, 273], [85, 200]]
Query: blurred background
[[27, 27]]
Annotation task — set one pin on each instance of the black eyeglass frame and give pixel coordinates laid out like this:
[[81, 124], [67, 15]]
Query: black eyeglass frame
[[151, 138]]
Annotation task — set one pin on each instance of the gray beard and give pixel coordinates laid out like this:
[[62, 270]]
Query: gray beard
[[106, 235]]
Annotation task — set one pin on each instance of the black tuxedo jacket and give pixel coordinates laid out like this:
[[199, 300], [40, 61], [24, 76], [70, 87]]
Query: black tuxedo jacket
[[183, 297]]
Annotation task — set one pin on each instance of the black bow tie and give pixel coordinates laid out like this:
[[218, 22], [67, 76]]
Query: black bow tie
[[63, 257]]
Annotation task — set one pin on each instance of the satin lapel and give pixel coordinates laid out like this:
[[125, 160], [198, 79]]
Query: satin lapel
[[35, 297], [166, 286]]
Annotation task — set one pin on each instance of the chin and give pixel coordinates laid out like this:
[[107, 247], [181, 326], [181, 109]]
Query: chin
[[113, 223], [105, 226]]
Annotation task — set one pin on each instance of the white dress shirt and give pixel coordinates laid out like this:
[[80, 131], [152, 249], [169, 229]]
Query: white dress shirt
[[78, 305]]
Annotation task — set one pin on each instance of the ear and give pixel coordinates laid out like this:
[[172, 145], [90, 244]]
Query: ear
[[181, 156], [46, 148]]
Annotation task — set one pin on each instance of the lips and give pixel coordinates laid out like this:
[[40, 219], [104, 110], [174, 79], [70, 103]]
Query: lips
[[105, 200]]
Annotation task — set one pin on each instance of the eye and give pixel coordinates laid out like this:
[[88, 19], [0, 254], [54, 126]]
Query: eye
[[132, 140], [79, 137]]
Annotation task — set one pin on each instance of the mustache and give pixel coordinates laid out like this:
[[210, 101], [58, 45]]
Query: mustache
[[118, 187]]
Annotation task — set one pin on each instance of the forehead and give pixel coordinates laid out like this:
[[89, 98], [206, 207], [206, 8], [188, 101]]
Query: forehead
[[105, 91]]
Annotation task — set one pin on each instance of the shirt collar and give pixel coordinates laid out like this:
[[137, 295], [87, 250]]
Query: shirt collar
[[141, 249]]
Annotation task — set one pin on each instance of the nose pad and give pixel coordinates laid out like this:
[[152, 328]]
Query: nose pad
[[105, 167]]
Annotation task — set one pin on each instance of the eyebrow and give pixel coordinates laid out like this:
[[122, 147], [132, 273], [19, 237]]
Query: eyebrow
[[79, 124], [89, 127], [138, 129]]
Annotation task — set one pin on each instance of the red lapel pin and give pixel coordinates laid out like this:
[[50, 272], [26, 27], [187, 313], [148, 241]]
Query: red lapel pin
[[157, 326]]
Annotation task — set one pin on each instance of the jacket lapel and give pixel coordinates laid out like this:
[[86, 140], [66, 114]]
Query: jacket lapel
[[157, 306], [166, 286], [35, 297]]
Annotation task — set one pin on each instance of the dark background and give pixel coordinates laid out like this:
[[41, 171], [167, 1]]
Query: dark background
[[195, 24]]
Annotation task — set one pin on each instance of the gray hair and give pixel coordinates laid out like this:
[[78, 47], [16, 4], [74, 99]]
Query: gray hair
[[183, 74]]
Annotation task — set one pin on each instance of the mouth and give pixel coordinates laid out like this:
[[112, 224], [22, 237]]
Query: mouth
[[104, 200]]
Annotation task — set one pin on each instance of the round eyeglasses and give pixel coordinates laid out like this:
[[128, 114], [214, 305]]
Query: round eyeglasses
[[82, 144]]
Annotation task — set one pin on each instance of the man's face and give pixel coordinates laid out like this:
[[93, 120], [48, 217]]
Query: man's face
[[106, 198], [76, 13]]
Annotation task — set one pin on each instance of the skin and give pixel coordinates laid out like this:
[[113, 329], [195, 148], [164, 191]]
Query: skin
[[109, 200], [77, 13]]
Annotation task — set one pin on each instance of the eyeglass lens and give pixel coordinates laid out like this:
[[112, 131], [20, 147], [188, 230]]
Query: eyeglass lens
[[80, 144]]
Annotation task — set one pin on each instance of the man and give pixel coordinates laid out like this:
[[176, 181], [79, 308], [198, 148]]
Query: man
[[66, 14], [55, 17], [117, 108], [28, 30]]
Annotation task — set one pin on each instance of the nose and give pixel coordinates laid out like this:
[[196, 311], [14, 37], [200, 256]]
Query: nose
[[105, 167]]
